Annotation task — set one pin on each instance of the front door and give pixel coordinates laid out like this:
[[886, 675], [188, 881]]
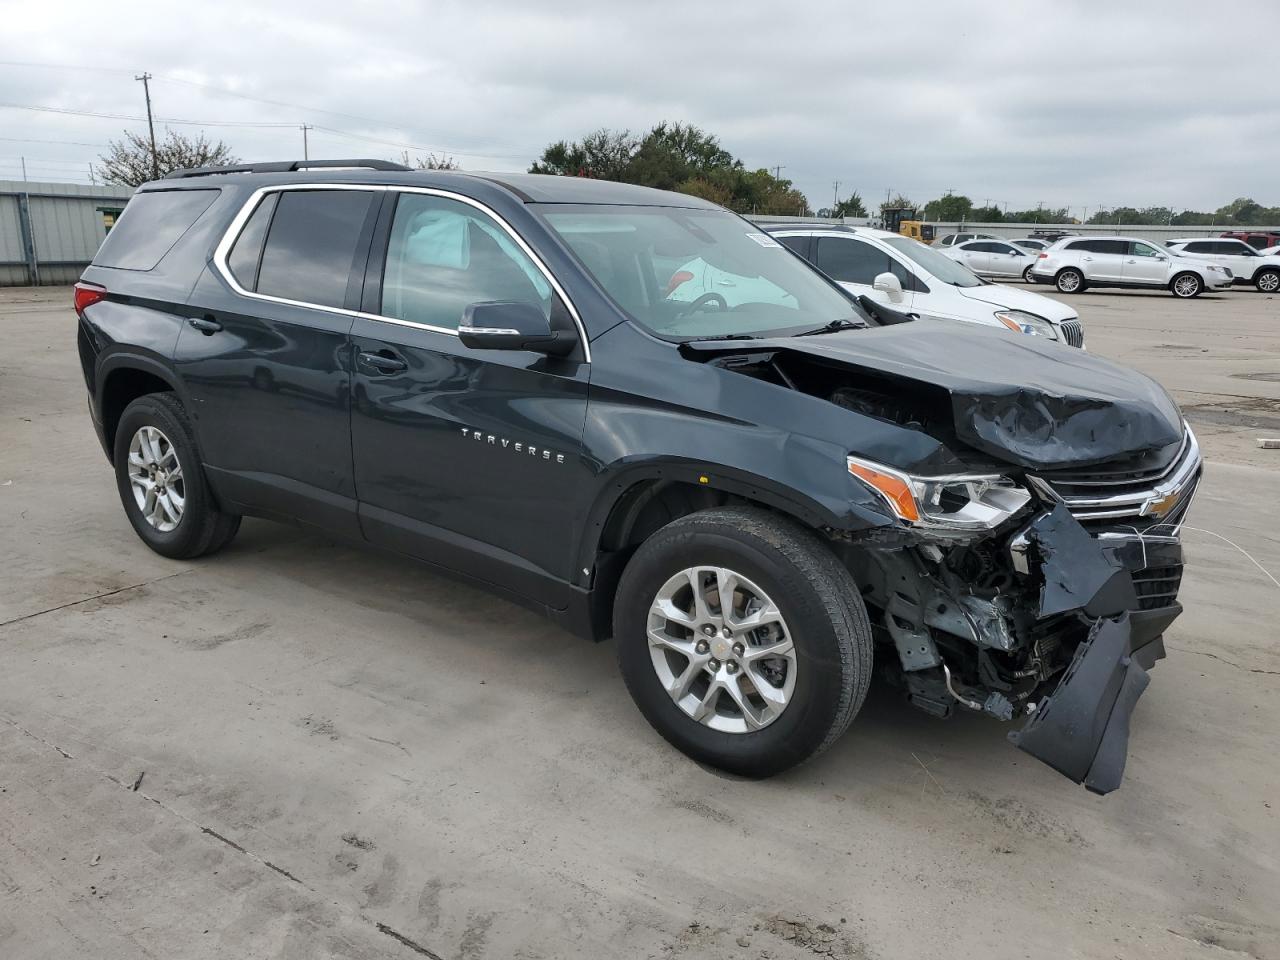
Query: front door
[[467, 458], [856, 264], [266, 361], [1146, 264]]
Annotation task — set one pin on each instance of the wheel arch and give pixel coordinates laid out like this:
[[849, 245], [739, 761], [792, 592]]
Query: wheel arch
[[123, 378], [636, 502]]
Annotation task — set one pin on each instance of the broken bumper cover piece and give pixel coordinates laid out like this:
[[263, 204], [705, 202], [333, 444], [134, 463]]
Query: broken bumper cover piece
[[1082, 728]]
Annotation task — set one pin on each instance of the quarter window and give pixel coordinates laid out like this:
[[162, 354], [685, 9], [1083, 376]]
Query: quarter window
[[152, 222], [444, 255], [311, 245], [246, 255]]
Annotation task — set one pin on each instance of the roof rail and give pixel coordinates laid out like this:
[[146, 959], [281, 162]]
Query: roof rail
[[286, 166]]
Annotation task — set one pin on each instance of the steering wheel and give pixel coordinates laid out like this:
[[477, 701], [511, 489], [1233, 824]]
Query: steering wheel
[[702, 301]]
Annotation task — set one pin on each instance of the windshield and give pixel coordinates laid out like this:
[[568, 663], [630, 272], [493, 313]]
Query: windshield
[[943, 268], [697, 273]]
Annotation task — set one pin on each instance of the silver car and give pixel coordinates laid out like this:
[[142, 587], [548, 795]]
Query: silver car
[[994, 258], [1076, 263]]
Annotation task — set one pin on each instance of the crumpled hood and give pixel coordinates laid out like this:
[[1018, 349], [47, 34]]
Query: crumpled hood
[[1018, 399], [1011, 298]]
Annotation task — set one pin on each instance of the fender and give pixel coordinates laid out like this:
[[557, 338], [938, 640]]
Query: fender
[[616, 482]]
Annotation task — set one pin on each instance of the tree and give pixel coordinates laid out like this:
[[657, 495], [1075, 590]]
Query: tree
[[897, 203], [604, 155], [986, 215], [953, 206], [673, 156], [850, 206], [429, 162], [128, 161]]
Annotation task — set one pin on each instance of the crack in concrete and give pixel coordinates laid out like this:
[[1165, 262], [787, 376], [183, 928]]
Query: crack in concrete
[[1230, 663], [97, 596]]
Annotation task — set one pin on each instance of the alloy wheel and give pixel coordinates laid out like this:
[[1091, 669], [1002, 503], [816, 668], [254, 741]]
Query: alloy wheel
[[155, 477], [1269, 282], [1186, 286], [1069, 281], [721, 649]]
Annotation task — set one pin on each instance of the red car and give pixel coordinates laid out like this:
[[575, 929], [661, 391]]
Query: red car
[[1255, 239]]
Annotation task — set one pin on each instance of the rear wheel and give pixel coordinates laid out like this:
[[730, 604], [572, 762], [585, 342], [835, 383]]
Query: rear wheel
[[1027, 277], [1186, 285], [162, 483], [1268, 281], [1069, 280], [742, 639]]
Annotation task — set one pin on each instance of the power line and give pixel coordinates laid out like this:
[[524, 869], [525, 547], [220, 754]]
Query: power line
[[71, 143]]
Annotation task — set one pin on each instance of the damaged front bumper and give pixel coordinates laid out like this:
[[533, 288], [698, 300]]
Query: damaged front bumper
[[1058, 625]]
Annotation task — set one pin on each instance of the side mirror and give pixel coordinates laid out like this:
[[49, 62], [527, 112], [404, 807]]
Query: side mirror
[[513, 325], [890, 285]]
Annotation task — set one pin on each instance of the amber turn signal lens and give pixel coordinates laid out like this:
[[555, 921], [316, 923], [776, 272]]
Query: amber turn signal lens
[[893, 488]]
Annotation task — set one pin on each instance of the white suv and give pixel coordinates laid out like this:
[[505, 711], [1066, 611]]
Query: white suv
[[1075, 263], [1246, 264], [907, 275]]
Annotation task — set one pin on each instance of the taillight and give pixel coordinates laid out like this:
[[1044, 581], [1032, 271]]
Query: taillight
[[88, 294], [1043, 256]]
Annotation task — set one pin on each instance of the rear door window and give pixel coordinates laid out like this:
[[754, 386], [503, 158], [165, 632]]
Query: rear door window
[[151, 224], [311, 245], [1200, 246]]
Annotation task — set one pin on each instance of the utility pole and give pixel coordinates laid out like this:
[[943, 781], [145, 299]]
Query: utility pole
[[305, 154], [92, 178], [24, 169], [777, 172], [835, 196], [151, 127]]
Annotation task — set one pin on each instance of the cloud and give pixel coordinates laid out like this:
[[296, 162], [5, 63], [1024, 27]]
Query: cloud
[[1072, 104]]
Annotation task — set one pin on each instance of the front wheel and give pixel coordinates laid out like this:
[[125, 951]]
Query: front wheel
[[1069, 280], [1268, 281], [742, 639], [1186, 285]]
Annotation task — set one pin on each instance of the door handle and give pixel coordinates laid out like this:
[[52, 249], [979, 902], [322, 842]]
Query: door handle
[[383, 362], [206, 324], [1087, 258]]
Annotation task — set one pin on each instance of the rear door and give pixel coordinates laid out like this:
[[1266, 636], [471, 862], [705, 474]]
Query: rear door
[[266, 358], [1237, 256], [975, 254], [1102, 259], [467, 458]]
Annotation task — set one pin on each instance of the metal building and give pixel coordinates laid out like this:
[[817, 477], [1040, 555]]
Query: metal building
[[50, 231]]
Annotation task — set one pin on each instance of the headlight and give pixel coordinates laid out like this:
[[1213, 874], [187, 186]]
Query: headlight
[[954, 504], [1022, 322]]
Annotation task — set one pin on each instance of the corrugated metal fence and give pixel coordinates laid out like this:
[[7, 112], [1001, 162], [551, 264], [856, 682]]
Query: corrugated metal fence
[[50, 231]]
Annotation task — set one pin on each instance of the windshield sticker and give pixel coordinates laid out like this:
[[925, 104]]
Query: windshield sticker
[[764, 239]]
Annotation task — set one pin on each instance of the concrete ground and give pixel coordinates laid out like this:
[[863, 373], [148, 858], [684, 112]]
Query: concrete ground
[[298, 749]]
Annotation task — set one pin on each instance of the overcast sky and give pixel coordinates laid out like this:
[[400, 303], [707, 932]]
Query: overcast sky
[[1066, 103]]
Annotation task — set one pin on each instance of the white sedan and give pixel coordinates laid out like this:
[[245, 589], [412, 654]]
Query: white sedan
[[993, 258]]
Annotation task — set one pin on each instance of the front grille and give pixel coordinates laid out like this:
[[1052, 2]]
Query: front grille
[[1072, 332], [1150, 490]]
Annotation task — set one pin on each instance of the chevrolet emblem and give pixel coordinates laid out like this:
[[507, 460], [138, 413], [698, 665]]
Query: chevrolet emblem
[[1161, 506]]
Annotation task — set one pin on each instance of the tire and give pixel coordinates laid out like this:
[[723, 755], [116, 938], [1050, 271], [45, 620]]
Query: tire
[[200, 526], [1027, 277], [1267, 281], [820, 609], [1069, 280], [1186, 286]]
